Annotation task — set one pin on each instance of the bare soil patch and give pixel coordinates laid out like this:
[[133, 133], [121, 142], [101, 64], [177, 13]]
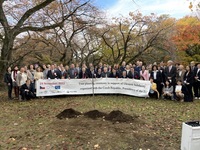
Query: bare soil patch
[[114, 116], [118, 116], [68, 113], [94, 114]]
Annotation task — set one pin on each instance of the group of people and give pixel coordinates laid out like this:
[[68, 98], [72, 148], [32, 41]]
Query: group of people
[[170, 81], [176, 82]]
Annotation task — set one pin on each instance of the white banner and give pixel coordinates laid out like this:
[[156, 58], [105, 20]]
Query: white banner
[[51, 87]]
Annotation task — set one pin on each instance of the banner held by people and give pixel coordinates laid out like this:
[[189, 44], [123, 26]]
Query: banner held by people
[[139, 88]]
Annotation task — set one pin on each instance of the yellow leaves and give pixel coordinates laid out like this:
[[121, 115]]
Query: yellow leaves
[[188, 20]]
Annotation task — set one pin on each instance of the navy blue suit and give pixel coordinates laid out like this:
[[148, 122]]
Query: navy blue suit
[[27, 92], [56, 74]]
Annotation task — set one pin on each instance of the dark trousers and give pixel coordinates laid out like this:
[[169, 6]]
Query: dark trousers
[[189, 87], [10, 91], [153, 95], [196, 87], [159, 86], [33, 84], [27, 95], [174, 87]]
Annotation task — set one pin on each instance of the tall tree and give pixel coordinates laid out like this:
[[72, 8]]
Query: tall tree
[[129, 38], [69, 37], [21, 16], [187, 38]]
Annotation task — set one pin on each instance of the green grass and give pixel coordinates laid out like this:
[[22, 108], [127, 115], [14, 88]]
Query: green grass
[[33, 124]]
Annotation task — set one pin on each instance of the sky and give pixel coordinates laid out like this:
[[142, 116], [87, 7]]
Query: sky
[[115, 8]]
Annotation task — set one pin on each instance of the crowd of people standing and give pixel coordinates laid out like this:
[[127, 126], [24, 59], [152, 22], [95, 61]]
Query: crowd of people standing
[[168, 81]]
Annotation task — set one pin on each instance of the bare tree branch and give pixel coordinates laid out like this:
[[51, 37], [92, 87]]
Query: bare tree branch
[[31, 11], [20, 58], [39, 29], [24, 43], [3, 19]]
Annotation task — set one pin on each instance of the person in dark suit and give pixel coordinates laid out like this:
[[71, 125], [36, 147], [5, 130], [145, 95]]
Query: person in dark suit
[[170, 72], [89, 68], [83, 74], [105, 73], [8, 81], [92, 72], [53, 73], [27, 90], [156, 75], [161, 69], [132, 74], [100, 66], [14, 75], [162, 66], [196, 84], [189, 79], [65, 73], [99, 73], [122, 67], [124, 74], [182, 93], [138, 66], [114, 74], [73, 72], [192, 65]]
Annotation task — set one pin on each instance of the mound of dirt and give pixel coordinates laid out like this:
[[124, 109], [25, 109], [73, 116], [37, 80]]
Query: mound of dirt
[[94, 114], [118, 116], [68, 113]]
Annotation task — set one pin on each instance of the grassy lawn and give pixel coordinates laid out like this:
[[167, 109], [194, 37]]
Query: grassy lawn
[[33, 124]]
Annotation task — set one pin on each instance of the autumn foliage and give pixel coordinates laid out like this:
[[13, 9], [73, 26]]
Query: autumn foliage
[[187, 33]]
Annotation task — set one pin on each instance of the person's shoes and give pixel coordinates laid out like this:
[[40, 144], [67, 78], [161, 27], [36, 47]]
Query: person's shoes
[[196, 98]]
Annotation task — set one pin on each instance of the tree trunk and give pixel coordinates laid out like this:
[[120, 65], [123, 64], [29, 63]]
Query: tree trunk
[[6, 54], [67, 56]]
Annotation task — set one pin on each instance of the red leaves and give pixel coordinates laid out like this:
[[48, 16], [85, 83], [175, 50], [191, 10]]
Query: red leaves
[[187, 33]]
